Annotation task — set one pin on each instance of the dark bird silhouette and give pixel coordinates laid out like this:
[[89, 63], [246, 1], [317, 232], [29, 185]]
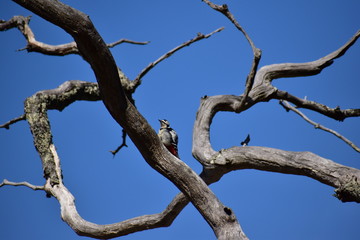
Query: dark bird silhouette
[[246, 141]]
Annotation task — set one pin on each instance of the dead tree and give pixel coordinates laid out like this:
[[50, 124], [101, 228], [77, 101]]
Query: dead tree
[[116, 90]]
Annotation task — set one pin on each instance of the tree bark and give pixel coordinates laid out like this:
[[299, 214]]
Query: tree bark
[[114, 90], [94, 50]]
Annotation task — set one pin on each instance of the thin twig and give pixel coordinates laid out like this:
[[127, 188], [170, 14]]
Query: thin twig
[[199, 36], [12, 121], [256, 51], [288, 107], [123, 144], [111, 45], [26, 184]]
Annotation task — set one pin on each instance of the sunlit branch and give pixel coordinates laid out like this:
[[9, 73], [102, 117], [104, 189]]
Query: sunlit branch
[[36, 108], [288, 107], [286, 70], [26, 184], [266, 74]]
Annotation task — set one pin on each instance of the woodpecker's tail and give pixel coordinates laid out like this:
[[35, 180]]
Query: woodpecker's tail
[[173, 149]]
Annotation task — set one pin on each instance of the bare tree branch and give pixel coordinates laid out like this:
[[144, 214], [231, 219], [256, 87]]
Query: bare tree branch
[[345, 179], [22, 23], [12, 121], [111, 45], [123, 144], [335, 113], [263, 90], [200, 36], [36, 108], [262, 158], [82, 227], [288, 107], [91, 46], [26, 184], [256, 51], [285, 70], [93, 49]]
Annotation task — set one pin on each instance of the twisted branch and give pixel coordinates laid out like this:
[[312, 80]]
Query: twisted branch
[[345, 179]]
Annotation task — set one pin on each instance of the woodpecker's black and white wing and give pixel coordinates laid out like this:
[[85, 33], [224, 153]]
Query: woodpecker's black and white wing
[[168, 137]]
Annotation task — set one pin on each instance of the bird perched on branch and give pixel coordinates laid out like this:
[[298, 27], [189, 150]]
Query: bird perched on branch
[[168, 137], [246, 141]]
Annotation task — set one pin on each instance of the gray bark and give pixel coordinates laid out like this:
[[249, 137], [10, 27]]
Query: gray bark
[[115, 90]]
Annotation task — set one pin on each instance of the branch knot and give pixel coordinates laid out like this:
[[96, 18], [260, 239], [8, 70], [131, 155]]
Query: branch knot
[[349, 191]]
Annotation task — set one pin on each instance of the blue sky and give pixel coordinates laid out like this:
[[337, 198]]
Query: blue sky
[[107, 189]]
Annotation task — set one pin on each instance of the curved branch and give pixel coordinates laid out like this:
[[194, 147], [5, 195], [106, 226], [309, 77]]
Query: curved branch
[[288, 107], [22, 23], [36, 108], [93, 49], [345, 179], [84, 228], [209, 106], [284, 70], [264, 91], [267, 159], [36, 113]]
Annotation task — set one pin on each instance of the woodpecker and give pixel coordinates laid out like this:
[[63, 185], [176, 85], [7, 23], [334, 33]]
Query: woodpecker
[[168, 137]]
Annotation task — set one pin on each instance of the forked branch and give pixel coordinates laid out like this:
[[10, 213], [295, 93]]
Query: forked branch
[[256, 51], [123, 144], [22, 23]]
